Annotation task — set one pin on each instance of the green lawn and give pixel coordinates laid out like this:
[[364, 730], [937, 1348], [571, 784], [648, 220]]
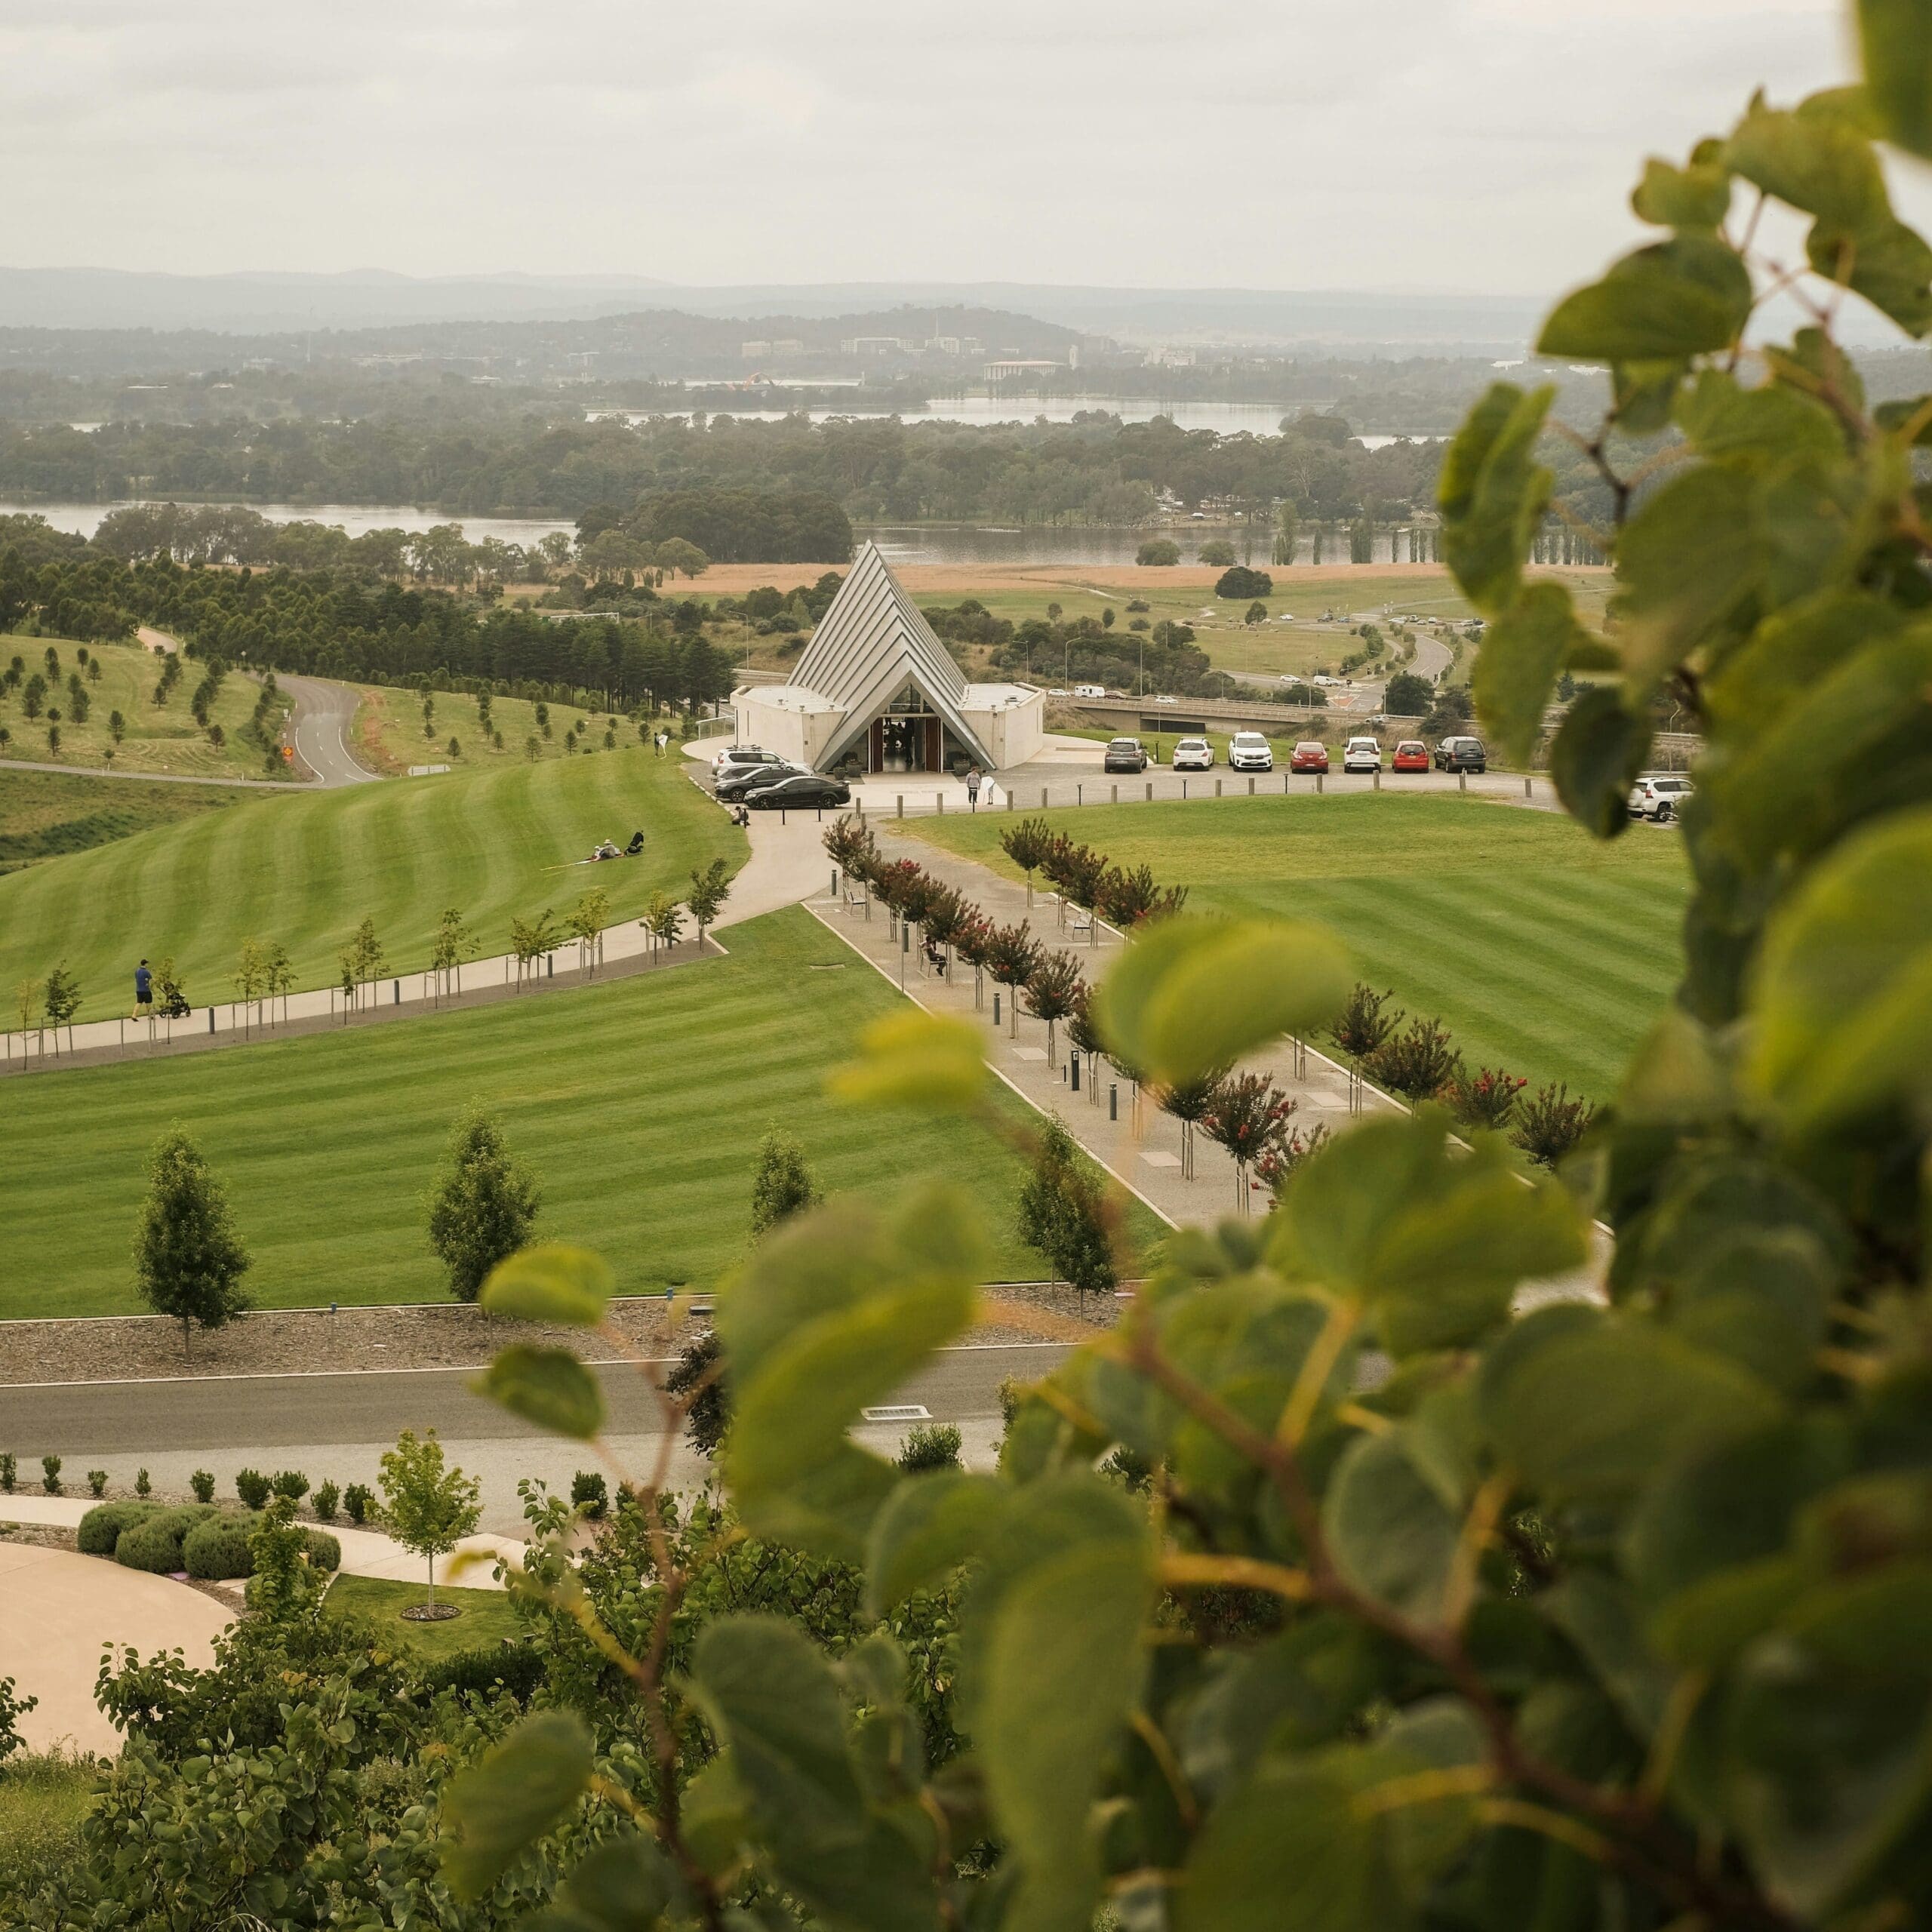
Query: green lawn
[[305, 868], [1542, 950], [641, 1104], [487, 1619], [163, 738], [389, 736], [44, 813]]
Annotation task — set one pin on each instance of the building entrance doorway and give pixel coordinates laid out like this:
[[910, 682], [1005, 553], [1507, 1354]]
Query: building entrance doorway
[[904, 744]]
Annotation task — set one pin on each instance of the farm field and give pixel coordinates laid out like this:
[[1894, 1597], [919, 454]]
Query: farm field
[[1542, 951], [641, 1104], [45, 814], [161, 738], [389, 736], [305, 868]]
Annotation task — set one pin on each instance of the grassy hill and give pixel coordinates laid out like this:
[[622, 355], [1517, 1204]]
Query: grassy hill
[[389, 736], [305, 868], [641, 1104], [161, 738], [44, 813], [1542, 950]]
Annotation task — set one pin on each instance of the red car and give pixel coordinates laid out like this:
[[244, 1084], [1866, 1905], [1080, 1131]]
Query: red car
[[1411, 755], [1308, 756]]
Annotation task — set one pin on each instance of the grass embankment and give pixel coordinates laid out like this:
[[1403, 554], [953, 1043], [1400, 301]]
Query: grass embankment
[[389, 736], [1542, 951], [305, 868], [161, 738], [43, 814], [487, 1619], [641, 1104]]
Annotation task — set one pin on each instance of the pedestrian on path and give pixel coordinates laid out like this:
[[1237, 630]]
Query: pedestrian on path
[[663, 739], [972, 787], [143, 991]]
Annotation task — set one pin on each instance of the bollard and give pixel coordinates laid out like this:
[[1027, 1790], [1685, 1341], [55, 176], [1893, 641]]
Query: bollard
[[1183, 788], [1526, 788], [782, 819], [939, 803], [835, 881], [549, 965], [1217, 788], [1378, 778], [995, 1006], [1075, 1058], [1116, 796], [1285, 776], [1250, 787], [901, 797], [1318, 781], [1150, 791], [1113, 1099], [1079, 793], [211, 1019], [396, 986], [1462, 781], [1043, 798]]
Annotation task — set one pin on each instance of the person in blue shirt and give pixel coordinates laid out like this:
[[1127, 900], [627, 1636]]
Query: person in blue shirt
[[143, 991]]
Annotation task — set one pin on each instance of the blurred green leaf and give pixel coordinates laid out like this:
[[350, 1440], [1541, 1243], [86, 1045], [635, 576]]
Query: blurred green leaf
[[549, 1387], [1192, 994], [624, 1886], [930, 1061], [1051, 1669], [1493, 494], [1689, 562], [1516, 669], [1895, 38], [1697, 196], [1584, 1406], [771, 1695], [496, 1810], [1595, 758], [1432, 1241], [1686, 296], [930, 1527], [830, 1315], [1844, 994], [1817, 163], [1387, 1528], [713, 1816], [570, 1286]]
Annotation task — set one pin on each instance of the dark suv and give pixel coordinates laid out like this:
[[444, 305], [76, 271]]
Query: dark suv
[[1125, 754], [1461, 754]]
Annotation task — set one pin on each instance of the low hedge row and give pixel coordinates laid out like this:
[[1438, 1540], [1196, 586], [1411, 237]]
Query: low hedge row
[[208, 1542]]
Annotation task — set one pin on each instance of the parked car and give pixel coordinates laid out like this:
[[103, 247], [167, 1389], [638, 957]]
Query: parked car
[[1411, 755], [1125, 754], [1193, 754], [801, 788], [1308, 756], [738, 757], [1461, 754], [737, 780], [1361, 755], [1249, 751], [1659, 798]]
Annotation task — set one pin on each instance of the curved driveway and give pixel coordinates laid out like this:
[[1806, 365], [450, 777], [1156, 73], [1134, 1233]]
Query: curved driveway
[[323, 712]]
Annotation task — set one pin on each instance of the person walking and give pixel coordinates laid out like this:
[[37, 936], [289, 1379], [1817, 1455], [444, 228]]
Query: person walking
[[144, 993], [973, 786]]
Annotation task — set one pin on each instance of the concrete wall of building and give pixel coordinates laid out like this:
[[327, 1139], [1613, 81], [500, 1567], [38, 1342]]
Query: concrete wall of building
[[1013, 733], [787, 729]]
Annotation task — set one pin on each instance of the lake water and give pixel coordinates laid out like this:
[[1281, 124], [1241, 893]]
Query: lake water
[[85, 518]]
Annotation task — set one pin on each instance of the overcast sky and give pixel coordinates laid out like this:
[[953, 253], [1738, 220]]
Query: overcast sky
[[1444, 145]]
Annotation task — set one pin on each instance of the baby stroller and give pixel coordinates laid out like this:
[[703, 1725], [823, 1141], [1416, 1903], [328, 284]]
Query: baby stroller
[[172, 1004]]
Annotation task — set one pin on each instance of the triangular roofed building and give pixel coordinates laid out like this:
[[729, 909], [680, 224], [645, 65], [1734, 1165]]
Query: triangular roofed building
[[876, 691]]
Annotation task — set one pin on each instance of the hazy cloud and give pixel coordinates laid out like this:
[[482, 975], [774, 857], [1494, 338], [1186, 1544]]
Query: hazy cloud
[[1448, 144]]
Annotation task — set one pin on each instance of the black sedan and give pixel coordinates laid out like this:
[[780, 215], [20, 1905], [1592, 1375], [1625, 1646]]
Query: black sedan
[[743, 778], [803, 789]]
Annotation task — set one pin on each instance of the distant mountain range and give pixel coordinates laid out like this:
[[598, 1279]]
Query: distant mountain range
[[247, 304]]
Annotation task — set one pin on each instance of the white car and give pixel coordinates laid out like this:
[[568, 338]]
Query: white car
[[738, 756], [1193, 754], [1326, 682], [1165, 700], [1658, 799], [1362, 755], [1249, 751]]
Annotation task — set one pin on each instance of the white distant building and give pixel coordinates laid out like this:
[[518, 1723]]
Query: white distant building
[[875, 688], [995, 372], [879, 345]]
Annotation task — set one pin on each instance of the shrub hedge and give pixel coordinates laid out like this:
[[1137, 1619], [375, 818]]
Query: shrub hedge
[[100, 1528]]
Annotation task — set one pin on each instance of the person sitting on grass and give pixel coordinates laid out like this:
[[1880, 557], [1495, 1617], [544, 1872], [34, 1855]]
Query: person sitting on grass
[[636, 846]]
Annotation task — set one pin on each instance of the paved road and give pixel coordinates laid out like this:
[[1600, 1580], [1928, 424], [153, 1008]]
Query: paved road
[[323, 713]]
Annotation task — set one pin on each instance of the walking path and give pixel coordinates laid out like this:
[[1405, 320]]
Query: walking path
[[1142, 1146]]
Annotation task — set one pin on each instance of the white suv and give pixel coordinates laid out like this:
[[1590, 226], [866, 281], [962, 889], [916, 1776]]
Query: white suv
[[1362, 755], [1249, 751], [1658, 799], [1193, 754]]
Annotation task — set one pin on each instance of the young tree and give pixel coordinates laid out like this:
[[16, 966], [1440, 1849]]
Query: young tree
[[189, 1260], [1054, 988], [709, 890], [454, 942], [1247, 1114], [1064, 1213], [483, 1204], [63, 1000], [1189, 1102], [428, 1506], [251, 968], [1013, 955], [782, 1186], [663, 919], [530, 940], [1026, 843], [697, 1379], [585, 923]]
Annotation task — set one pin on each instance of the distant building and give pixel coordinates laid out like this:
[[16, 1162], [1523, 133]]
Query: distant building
[[1170, 358], [875, 688], [750, 349], [999, 372], [879, 345]]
